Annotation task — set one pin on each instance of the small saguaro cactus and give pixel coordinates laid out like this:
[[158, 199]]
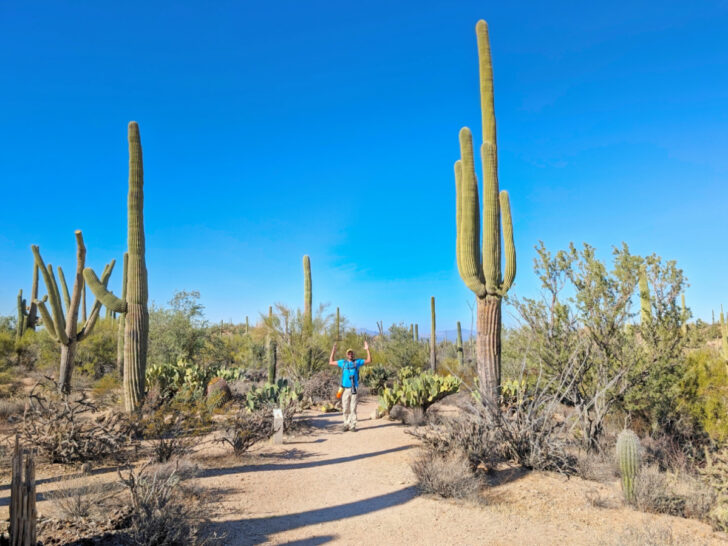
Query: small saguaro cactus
[[433, 338], [271, 350], [461, 356], [683, 315], [482, 273], [307, 298], [63, 327], [28, 315], [628, 459], [134, 305], [645, 302], [417, 332]]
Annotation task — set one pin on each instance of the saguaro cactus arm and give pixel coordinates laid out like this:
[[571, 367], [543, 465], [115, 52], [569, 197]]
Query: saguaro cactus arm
[[64, 287], [47, 319], [59, 322], [510, 247], [89, 324], [106, 297]]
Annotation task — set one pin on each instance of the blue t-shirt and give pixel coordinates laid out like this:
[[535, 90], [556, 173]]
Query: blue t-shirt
[[349, 370]]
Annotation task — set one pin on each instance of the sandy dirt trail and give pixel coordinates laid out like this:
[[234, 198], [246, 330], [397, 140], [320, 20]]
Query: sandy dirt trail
[[338, 487]]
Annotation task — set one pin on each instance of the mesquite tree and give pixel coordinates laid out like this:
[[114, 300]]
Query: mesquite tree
[[63, 327], [483, 275], [134, 305]]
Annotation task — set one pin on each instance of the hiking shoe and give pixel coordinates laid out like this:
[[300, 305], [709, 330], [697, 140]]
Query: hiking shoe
[[352, 429], [344, 428]]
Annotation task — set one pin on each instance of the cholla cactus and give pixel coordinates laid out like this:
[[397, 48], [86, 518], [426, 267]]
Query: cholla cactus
[[482, 272], [628, 459]]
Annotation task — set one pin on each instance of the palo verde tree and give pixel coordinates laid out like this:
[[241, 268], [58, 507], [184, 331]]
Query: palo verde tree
[[134, 305], [482, 273], [63, 327]]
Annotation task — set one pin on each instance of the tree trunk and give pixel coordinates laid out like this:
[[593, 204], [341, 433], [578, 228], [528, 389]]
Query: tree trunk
[[488, 348], [68, 356]]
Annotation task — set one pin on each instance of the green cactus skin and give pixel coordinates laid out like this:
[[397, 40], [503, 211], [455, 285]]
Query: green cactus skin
[[482, 274], [417, 332], [22, 314], [63, 328], [645, 301], [271, 350], [247, 324], [28, 315], [136, 323], [412, 331], [628, 459], [433, 338], [122, 321], [461, 356], [307, 297], [684, 315]]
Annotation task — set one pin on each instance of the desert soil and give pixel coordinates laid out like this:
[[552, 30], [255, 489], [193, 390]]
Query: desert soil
[[328, 486]]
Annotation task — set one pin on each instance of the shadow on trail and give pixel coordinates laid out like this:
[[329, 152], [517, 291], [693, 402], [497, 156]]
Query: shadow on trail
[[212, 472], [259, 530], [313, 541]]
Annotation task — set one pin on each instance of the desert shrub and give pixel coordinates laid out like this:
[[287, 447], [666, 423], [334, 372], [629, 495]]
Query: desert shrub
[[715, 475], [96, 356], [164, 509], [397, 349], [11, 408], [174, 428], [597, 466], [64, 429], [106, 390], [650, 534], [246, 428], [376, 378], [420, 391], [278, 394], [704, 392], [446, 475], [218, 392], [466, 434], [675, 494], [320, 387], [81, 499]]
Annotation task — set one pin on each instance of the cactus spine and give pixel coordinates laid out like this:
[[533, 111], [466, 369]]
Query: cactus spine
[[136, 322], [628, 459], [645, 303], [483, 275], [461, 356], [63, 328], [433, 338]]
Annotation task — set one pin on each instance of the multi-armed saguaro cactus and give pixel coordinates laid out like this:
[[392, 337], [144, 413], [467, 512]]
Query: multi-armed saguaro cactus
[[628, 459], [433, 338], [483, 274], [134, 305], [63, 328], [461, 356], [645, 301], [28, 315]]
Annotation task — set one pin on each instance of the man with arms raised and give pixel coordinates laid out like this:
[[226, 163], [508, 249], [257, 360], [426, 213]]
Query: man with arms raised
[[350, 382]]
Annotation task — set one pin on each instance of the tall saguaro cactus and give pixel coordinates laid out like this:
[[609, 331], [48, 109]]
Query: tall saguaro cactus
[[482, 274], [122, 320], [307, 297], [63, 328], [433, 338], [134, 305]]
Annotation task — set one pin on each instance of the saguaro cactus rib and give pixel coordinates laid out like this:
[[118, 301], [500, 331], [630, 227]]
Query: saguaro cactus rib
[[136, 322], [480, 266]]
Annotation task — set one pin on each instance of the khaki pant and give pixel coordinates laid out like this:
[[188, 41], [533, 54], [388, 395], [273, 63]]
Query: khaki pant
[[348, 405]]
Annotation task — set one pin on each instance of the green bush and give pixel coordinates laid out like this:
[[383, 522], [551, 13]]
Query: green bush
[[704, 392]]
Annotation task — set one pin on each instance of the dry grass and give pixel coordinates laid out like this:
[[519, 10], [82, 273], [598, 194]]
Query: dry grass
[[448, 476], [11, 408], [675, 494], [81, 499]]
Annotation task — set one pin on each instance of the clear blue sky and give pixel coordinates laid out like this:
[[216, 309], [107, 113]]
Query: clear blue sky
[[275, 129]]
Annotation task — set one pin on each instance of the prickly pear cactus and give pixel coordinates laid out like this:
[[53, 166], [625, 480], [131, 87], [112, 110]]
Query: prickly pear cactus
[[628, 459]]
